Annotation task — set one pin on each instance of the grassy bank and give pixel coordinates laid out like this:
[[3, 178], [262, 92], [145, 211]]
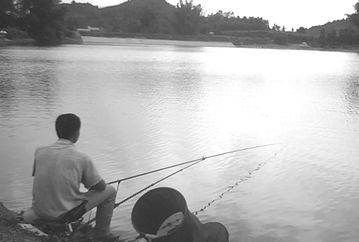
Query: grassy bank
[[14, 42], [16, 37]]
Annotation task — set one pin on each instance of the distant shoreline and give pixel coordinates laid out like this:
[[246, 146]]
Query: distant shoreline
[[16, 42], [176, 37], [91, 40], [206, 38], [117, 41], [186, 41], [73, 37], [353, 49]]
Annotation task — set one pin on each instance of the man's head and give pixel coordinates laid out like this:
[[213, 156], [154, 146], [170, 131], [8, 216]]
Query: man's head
[[68, 127]]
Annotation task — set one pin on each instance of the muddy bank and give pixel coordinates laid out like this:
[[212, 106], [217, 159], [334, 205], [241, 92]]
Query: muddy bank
[[11, 231]]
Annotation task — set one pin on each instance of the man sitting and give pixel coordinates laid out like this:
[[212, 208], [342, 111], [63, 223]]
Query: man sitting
[[58, 171], [162, 215]]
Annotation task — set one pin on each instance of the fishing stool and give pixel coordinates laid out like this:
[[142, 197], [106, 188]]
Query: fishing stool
[[66, 223]]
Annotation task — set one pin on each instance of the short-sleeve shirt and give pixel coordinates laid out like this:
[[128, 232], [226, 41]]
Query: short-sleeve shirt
[[59, 169]]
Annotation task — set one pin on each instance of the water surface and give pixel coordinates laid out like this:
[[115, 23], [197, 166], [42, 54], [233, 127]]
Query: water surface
[[148, 106]]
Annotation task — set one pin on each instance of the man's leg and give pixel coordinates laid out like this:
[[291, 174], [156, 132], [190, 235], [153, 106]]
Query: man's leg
[[105, 202], [30, 216]]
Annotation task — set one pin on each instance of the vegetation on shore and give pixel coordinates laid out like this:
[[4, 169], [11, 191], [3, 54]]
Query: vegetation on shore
[[157, 17], [186, 20], [43, 21], [50, 22]]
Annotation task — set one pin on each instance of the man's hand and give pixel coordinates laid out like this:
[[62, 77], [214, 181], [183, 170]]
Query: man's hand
[[99, 187]]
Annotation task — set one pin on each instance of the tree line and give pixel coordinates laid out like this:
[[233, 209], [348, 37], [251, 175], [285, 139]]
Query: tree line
[[48, 21], [159, 17], [340, 37]]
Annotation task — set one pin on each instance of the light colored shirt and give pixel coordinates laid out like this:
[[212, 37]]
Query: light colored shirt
[[59, 169]]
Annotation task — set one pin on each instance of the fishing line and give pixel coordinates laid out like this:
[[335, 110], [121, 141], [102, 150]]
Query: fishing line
[[189, 162], [155, 183], [149, 186], [232, 187]]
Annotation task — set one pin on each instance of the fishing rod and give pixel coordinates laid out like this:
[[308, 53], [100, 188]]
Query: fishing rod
[[191, 163], [149, 186], [188, 162], [155, 183]]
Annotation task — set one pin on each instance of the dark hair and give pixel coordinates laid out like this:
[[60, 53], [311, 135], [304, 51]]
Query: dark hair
[[67, 125]]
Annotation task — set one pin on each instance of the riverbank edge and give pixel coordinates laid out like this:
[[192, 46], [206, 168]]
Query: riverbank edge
[[11, 231], [217, 38], [353, 49], [73, 38], [200, 38], [31, 42], [16, 42]]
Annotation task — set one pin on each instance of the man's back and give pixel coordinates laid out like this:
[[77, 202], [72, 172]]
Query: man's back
[[58, 171]]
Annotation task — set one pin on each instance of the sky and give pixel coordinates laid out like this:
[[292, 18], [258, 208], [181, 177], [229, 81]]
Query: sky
[[289, 13]]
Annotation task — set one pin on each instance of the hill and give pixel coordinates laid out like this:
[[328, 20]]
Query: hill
[[159, 19], [133, 16], [156, 17], [81, 15], [139, 16]]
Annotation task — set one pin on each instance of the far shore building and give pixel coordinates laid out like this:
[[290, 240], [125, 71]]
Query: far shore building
[[304, 45], [89, 29]]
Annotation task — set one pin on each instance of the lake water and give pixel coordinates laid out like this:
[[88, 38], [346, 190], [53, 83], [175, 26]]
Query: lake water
[[145, 106]]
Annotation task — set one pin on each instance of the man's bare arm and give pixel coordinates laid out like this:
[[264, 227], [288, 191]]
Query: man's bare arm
[[99, 187]]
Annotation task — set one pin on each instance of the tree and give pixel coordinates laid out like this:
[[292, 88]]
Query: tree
[[322, 38], [276, 27], [332, 38], [188, 17], [6, 13], [148, 21], [302, 30], [227, 21], [43, 20], [280, 39], [346, 36], [355, 17]]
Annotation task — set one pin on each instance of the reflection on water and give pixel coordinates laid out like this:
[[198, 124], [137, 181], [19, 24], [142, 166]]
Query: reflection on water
[[145, 107]]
